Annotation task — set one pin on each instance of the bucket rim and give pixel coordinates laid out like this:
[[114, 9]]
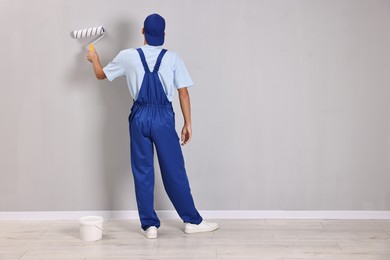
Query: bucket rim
[[91, 219]]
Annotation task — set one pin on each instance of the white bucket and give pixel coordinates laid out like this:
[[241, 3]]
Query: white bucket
[[91, 228]]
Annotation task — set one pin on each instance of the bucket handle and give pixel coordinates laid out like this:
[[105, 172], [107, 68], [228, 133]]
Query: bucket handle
[[102, 229]]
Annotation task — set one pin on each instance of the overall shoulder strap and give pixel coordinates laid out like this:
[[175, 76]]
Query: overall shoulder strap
[[142, 56], [159, 58]]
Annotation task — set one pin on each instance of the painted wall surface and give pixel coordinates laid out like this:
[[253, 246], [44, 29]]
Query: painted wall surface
[[290, 106]]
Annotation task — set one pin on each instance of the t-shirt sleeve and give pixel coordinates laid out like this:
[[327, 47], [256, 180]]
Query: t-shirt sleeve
[[115, 68], [181, 77]]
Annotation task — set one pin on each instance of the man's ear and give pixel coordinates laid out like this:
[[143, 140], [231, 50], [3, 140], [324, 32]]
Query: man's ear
[[142, 31]]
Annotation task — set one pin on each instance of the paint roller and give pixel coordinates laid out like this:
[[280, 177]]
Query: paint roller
[[88, 32]]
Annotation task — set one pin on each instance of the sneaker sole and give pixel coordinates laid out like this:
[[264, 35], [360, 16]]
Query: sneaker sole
[[198, 231]]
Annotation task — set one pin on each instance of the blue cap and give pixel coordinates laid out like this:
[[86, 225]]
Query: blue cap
[[154, 27]]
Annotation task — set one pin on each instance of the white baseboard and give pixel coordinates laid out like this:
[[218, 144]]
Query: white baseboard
[[206, 214]]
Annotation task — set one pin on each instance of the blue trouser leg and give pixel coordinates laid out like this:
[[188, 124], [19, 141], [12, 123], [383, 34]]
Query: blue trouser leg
[[173, 171], [143, 171]]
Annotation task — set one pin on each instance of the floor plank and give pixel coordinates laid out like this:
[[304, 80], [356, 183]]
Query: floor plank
[[235, 239]]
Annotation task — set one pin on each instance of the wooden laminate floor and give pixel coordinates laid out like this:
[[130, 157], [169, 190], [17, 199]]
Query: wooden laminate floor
[[235, 239]]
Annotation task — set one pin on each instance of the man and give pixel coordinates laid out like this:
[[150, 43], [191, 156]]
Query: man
[[152, 121]]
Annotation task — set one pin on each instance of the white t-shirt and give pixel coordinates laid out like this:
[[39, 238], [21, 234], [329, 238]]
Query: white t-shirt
[[172, 73]]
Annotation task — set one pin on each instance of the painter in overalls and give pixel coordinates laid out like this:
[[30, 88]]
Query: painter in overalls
[[153, 75]]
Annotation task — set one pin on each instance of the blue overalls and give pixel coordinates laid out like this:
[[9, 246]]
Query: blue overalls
[[152, 121]]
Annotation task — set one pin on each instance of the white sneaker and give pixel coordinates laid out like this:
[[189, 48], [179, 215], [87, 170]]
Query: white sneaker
[[150, 232], [202, 227]]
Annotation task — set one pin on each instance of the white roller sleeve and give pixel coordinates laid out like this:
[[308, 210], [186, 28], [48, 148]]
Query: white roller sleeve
[[88, 32]]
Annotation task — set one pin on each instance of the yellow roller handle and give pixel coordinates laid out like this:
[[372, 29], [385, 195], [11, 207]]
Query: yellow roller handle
[[91, 47]]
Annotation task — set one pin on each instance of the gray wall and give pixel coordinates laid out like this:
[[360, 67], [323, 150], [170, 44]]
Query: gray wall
[[290, 104]]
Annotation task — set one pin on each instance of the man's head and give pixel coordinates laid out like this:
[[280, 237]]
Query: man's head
[[154, 27]]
